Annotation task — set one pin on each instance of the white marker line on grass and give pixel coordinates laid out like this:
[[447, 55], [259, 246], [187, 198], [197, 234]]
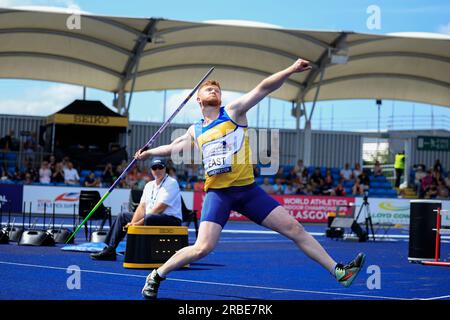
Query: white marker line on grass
[[213, 283]]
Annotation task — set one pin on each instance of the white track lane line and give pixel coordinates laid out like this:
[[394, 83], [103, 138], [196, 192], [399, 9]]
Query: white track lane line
[[268, 232], [214, 283], [437, 298]]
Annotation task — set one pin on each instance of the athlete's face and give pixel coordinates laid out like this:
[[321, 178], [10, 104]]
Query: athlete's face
[[210, 96]]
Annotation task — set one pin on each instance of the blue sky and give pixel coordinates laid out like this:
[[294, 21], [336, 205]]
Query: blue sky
[[43, 98]]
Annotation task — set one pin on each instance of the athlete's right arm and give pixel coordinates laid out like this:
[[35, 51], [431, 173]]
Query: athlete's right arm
[[184, 142]]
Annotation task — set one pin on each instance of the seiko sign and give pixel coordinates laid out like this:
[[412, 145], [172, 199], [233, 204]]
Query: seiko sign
[[88, 119]]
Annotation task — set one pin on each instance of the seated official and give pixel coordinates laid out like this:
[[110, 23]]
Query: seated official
[[160, 205]]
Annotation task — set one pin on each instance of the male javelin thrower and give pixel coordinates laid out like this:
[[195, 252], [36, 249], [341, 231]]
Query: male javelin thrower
[[230, 185]]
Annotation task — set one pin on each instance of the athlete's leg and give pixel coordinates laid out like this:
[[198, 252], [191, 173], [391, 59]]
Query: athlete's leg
[[208, 236], [280, 221]]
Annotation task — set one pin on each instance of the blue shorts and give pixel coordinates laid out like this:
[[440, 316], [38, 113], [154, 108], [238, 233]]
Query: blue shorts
[[250, 201]]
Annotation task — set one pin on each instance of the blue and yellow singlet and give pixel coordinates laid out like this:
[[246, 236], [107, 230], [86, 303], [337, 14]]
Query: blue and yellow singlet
[[225, 151]]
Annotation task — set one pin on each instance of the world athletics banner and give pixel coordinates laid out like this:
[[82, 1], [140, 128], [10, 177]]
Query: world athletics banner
[[303, 208]]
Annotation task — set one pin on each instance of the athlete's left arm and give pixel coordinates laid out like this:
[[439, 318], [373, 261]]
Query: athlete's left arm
[[239, 107]]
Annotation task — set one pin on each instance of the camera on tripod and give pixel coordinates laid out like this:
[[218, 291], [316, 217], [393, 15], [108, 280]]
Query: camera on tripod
[[337, 224]]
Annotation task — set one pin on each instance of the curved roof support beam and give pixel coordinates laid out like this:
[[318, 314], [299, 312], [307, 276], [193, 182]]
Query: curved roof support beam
[[322, 63], [15, 54], [221, 43], [113, 23], [399, 54], [217, 66], [384, 76], [130, 71], [296, 35], [69, 35]]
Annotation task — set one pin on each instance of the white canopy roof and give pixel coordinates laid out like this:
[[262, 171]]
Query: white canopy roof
[[171, 54]]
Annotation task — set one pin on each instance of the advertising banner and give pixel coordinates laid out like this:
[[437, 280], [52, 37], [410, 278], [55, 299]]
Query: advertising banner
[[65, 198], [392, 211], [11, 197], [303, 208]]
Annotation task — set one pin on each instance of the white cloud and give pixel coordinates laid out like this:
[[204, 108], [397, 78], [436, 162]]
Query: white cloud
[[444, 28], [38, 102], [65, 6]]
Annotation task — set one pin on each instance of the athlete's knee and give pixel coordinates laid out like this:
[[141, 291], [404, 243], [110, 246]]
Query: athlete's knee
[[203, 249], [294, 229]]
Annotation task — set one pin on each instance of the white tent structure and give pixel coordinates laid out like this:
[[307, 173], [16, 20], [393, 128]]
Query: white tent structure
[[123, 55]]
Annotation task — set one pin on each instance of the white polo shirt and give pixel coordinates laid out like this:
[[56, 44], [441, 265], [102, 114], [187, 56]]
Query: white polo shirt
[[168, 192]]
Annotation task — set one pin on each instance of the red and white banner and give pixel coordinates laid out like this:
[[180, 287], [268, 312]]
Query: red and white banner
[[303, 208]]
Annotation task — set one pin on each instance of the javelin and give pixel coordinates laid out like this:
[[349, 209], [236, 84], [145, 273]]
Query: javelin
[[145, 147]]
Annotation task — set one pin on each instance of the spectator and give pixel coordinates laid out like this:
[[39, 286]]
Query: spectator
[[30, 145], [356, 172], [399, 166], [65, 162], [52, 163], [132, 178], [310, 190], [442, 191], [17, 175], [292, 177], [9, 142], [92, 181], [427, 181], [339, 191], [280, 174], [432, 191], [145, 178], [267, 187], [327, 187], [58, 174], [364, 180], [169, 164], [279, 186], [4, 176], [377, 170], [317, 178], [108, 175], [188, 187], [438, 166], [301, 190], [31, 171], [357, 189], [71, 176], [346, 173], [291, 187], [172, 172], [304, 178], [447, 180], [299, 167], [418, 176], [45, 174], [438, 176], [28, 178]]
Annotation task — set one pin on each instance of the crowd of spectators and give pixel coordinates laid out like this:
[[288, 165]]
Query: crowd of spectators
[[50, 171], [299, 181], [432, 183]]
